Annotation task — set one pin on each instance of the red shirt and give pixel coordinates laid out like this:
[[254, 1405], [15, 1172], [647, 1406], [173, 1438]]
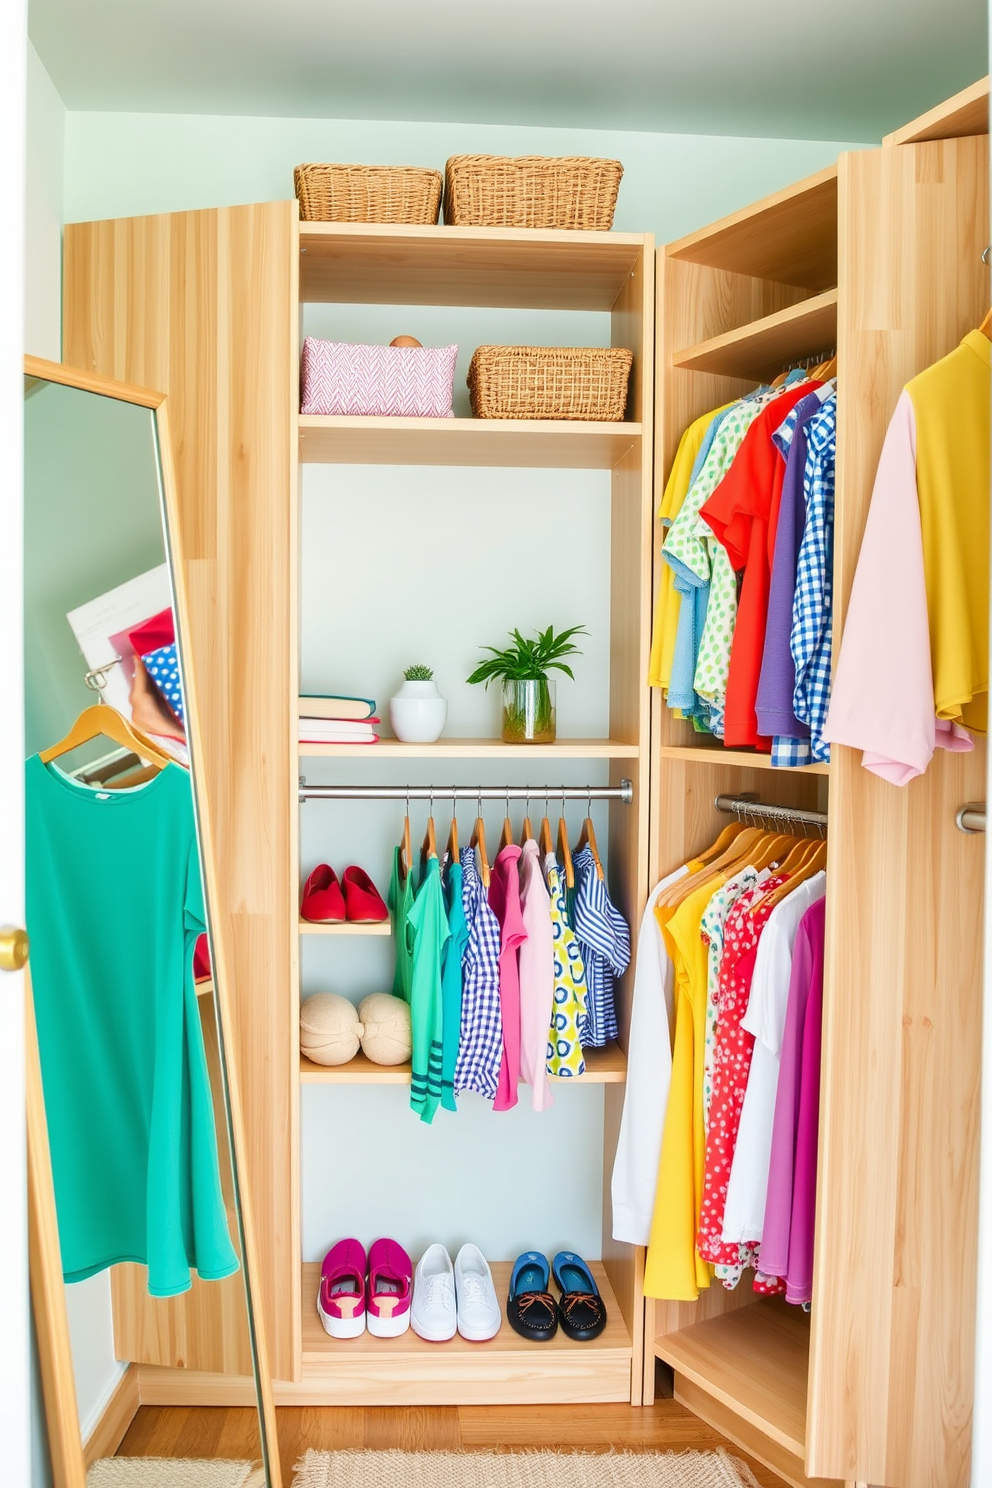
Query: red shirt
[[743, 514]]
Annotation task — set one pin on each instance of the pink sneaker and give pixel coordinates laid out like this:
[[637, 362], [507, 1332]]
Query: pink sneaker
[[341, 1299], [390, 1289]]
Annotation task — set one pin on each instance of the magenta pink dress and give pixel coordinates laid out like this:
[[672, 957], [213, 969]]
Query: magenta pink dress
[[504, 900], [537, 976], [792, 1167]]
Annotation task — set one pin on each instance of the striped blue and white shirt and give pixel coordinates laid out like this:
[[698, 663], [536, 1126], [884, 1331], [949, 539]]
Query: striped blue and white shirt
[[604, 939]]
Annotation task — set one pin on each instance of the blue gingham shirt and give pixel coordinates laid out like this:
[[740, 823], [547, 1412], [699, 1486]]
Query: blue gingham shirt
[[480, 1042], [604, 940], [812, 614]]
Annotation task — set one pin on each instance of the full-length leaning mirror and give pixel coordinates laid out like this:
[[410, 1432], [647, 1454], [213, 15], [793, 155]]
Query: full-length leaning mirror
[[141, 1239]]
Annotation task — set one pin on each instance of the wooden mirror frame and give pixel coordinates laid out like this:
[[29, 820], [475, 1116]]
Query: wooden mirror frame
[[45, 1262]]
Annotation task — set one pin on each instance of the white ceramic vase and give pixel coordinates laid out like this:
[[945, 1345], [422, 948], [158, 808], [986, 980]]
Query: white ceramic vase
[[418, 713]]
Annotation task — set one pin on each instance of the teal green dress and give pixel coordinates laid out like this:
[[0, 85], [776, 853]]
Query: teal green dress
[[114, 907], [428, 921], [400, 902]]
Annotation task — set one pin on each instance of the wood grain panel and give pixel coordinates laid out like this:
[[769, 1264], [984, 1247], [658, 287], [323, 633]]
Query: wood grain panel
[[790, 236], [893, 1328], [605, 1066], [766, 347], [201, 305], [965, 114], [724, 1418], [536, 444]]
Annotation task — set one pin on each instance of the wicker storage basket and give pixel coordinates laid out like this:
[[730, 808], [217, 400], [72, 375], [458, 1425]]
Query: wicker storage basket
[[549, 382], [367, 193], [570, 191]]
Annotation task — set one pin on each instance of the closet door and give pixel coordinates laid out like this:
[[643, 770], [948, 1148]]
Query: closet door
[[891, 1364], [202, 306]]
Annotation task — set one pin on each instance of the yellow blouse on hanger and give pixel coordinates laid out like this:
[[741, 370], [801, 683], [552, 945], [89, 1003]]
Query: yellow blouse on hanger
[[673, 1269], [666, 612]]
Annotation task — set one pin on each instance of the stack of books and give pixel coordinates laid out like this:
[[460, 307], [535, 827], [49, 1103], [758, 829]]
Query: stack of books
[[337, 720]]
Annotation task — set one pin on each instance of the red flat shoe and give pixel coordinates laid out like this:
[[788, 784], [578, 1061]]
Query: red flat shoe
[[201, 960], [362, 899], [323, 901]]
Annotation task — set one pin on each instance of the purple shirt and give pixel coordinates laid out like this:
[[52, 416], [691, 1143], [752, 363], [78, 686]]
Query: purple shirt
[[773, 705], [789, 1207]]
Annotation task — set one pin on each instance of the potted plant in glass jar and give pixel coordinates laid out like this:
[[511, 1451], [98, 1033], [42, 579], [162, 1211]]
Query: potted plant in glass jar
[[528, 691]]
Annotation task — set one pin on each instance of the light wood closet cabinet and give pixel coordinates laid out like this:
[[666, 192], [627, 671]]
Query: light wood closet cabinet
[[207, 306], [882, 259]]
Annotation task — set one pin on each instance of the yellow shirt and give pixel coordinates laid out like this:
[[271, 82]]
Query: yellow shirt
[[673, 1270], [951, 404], [666, 611]]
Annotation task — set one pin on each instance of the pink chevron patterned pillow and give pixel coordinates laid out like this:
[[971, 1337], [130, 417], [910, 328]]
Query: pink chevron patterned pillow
[[415, 381]]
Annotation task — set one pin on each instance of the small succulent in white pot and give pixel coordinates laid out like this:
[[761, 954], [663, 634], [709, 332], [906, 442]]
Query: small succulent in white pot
[[417, 711]]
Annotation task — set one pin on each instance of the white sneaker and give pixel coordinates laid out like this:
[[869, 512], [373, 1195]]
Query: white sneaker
[[432, 1315], [479, 1316]]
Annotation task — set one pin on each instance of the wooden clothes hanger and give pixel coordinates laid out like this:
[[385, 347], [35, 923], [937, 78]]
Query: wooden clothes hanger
[[406, 851], [478, 842], [721, 844], [734, 857], [98, 721], [564, 851], [526, 831], [428, 848], [588, 837], [506, 836], [452, 848], [814, 861], [547, 846]]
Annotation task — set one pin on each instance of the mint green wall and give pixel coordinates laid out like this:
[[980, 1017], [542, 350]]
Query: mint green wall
[[119, 165]]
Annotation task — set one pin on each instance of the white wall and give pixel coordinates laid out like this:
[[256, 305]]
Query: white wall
[[45, 183]]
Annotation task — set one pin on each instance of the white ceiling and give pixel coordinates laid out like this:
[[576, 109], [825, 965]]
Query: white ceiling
[[830, 69]]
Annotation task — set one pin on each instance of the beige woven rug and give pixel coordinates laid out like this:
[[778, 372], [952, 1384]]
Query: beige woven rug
[[522, 1470], [172, 1472]]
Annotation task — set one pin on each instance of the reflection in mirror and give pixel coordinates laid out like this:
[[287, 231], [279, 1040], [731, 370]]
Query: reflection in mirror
[[130, 1041]]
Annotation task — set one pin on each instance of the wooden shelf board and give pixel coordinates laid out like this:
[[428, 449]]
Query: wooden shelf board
[[965, 114], [556, 444], [318, 1346], [767, 346], [790, 237], [384, 928], [755, 1360], [607, 1066], [360, 263], [474, 749], [709, 754]]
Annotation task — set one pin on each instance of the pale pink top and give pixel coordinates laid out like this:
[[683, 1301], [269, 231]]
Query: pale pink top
[[537, 976], [882, 695]]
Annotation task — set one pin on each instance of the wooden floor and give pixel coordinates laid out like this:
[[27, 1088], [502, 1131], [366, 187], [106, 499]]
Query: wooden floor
[[171, 1431]]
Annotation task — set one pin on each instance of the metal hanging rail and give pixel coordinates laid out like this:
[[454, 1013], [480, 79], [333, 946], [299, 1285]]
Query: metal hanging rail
[[749, 807], [971, 817], [624, 792]]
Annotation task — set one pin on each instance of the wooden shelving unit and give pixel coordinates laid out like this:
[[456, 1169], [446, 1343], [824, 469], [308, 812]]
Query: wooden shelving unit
[[610, 272], [307, 927], [606, 1066], [532, 444], [491, 749], [964, 115], [747, 759], [764, 347]]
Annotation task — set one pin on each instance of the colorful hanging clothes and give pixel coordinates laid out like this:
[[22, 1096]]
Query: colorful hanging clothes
[[451, 980], [774, 712], [744, 1213], [711, 928], [733, 1061], [428, 922], [812, 615], [792, 1132], [399, 901], [742, 513], [570, 995], [504, 897], [604, 941], [925, 559], [480, 1039], [114, 908], [537, 975]]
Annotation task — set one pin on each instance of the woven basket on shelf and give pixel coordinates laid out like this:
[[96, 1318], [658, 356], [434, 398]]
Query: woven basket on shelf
[[367, 193], [569, 191], [549, 382]]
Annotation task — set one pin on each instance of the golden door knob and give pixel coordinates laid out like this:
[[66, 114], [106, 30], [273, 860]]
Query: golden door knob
[[13, 948]]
